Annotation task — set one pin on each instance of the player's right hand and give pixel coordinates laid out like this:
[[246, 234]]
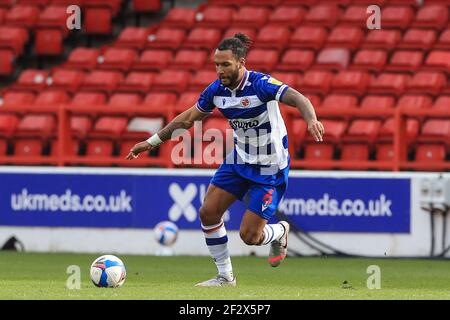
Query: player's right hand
[[137, 149]]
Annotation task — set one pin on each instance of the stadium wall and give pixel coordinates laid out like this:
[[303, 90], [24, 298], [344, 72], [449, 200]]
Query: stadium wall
[[99, 210]]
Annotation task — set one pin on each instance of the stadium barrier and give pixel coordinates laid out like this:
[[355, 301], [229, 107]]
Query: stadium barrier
[[63, 157]]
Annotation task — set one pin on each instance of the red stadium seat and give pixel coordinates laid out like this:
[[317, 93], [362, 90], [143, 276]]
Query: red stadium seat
[[51, 97], [171, 80], [323, 14], [442, 102], [374, 102], [430, 153], [6, 62], [28, 147], [298, 133], [296, 60], [230, 3], [83, 58], [325, 150], [269, 3], [355, 15], [186, 100], [306, 3], [82, 99], [405, 61], [68, 80], [202, 38], [384, 144], [22, 16], [215, 17], [3, 147], [8, 124], [179, 17], [190, 60], [339, 101], [355, 152], [334, 59], [13, 38], [160, 100], [316, 82], [272, 37], [432, 16], [285, 16], [38, 3], [120, 59], [99, 148], [388, 84], [147, 5], [80, 126], [308, 37], [54, 17], [201, 80], [49, 42], [139, 82], [7, 3], [17, 98], [153, 60], [289, 78], [36, 126], [124, 100], [262, 60], [443, 42], [414, 102], [382, 39], [351, 82], [111, 127], [31, 79], [418, 39], [166, 38], [319, 151], [103, 81], [72, 150], [438, 61], [251, 17], [98, 16], [345, 37], [369, 60], [427, 83], [398, 17], [435, 130], [2, 15], [133, 37], [363, 130]]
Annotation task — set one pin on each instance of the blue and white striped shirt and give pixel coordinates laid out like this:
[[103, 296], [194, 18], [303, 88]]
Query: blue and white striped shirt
[[252, 110]]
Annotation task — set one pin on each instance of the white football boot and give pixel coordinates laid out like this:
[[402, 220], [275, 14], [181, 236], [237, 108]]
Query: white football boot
[[218, 281], [278, 248]]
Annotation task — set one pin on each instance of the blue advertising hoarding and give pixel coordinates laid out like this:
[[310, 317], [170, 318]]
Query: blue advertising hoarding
[[141, 201]]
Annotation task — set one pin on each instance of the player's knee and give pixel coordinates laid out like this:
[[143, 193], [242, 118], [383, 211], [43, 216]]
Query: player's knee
[[208, 216], [250, 238]]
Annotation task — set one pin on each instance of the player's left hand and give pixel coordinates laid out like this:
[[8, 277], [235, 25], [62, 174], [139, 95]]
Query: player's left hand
[[137, 149], [316, 129]]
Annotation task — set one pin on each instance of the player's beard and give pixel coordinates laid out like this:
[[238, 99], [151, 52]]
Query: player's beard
[[232, 81]]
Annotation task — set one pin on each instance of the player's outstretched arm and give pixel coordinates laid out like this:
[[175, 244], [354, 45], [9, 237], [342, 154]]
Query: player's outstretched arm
[[295, 99], [184, 120]]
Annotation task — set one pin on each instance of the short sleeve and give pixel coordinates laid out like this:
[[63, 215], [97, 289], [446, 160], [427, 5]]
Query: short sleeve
[[205, 102], [268, 88]]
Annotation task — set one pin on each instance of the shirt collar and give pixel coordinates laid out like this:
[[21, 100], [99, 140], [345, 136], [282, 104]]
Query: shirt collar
[[243, 81]]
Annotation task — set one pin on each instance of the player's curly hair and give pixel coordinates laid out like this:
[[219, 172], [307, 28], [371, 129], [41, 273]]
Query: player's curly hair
[[239, 45]]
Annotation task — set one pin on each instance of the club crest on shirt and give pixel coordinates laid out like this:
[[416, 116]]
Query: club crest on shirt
[[245, 102]]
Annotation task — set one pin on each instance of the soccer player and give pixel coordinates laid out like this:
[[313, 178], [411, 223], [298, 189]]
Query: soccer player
[[256, 172]]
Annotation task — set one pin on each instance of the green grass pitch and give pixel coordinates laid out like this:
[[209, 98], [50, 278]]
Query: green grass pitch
[[43, 276]]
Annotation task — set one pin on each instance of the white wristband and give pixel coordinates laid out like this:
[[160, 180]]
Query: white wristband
[[154, 140]]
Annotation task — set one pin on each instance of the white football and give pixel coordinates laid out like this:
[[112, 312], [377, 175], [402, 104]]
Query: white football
[[166, 233], [108, 271]]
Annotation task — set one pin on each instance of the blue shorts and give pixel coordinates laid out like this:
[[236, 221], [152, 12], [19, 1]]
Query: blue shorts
[[261, 193]]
